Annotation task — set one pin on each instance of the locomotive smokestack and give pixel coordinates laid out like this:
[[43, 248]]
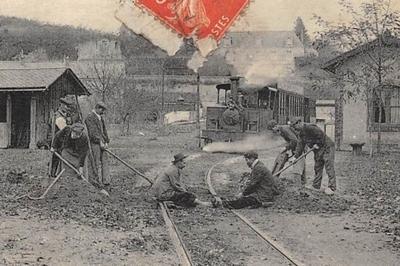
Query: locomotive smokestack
[[234, 88]]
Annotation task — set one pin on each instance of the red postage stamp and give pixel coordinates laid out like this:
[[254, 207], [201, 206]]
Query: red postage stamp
[[201, 18]]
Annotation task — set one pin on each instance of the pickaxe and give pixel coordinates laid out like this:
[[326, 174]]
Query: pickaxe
[[130, 167]]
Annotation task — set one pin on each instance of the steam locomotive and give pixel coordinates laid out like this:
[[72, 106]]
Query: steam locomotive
[[250, 108]]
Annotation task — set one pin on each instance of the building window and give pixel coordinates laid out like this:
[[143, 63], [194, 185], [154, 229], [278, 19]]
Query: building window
[[3, 108], [386, 109]]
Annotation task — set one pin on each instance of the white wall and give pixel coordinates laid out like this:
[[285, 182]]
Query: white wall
[[355, 121], [327, 113]]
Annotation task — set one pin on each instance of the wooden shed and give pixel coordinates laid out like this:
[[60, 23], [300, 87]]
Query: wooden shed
[[28, 98]]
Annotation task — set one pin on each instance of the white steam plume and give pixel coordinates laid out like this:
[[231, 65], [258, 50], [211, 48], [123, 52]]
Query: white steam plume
[[265, 141]]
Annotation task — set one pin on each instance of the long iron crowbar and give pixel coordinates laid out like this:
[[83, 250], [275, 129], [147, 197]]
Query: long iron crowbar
[[130, 167]]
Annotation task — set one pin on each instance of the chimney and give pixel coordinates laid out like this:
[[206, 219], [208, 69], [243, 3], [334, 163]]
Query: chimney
[[234, 88]]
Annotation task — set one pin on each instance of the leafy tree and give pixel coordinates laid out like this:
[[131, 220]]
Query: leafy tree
[[373, 31]]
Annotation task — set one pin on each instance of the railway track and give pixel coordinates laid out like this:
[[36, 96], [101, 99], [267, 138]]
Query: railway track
[[263, 235], [179, 244]]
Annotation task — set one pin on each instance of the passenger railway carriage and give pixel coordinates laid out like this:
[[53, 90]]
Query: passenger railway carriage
[[254, 107]]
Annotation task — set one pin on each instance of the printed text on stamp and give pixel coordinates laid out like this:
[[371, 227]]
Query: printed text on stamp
[[203, 18]]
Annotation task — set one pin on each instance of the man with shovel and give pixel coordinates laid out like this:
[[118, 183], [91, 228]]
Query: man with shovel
[[289, 135], [98, 161], [73, 144], [324, 152]]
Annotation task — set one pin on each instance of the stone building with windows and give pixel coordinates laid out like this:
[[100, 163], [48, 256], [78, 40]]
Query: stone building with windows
[[373, 105]]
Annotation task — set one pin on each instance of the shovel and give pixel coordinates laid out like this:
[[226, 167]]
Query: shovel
[[103, 191], [48, 188], [130, 167], [294, 162]]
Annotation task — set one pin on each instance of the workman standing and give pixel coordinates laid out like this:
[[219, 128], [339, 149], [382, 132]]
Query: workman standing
[[169, 187], [72, 144], [98, 167], [312, 136], [258, 190], [61, 118], [289, 135]]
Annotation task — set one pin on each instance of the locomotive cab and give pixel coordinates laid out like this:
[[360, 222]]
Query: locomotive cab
[[247, 109]]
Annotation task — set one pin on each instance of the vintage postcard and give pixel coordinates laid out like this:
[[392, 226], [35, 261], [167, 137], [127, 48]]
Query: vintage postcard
[[199, 132]]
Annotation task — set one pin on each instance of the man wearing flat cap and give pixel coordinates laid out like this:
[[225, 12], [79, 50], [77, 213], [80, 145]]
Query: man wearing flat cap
[[168, 186], [72, 143], [312, 136], [98, 168], [258, 190]]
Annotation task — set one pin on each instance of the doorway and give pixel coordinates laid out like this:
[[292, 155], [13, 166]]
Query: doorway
[[20, 120], [3, 121]]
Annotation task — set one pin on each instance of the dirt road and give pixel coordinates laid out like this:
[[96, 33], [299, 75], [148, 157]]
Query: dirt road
[[77, 226]]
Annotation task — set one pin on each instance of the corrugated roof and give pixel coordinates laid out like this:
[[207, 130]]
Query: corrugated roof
[[29, 78]]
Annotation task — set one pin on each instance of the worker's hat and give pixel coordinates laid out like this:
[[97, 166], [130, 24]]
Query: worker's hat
[[251, 154], [101, 105], [179, 157], [68, 100], [77, 127]]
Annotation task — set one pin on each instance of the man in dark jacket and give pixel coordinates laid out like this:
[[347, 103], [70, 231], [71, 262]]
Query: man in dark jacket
[[258, 189], [61, 118], [73, 144], [324, 152], [98, 161], [289, 135], [169, 187]]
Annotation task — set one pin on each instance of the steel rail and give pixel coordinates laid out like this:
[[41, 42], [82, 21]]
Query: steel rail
[[181, 250], [176, 239], [265, 237]]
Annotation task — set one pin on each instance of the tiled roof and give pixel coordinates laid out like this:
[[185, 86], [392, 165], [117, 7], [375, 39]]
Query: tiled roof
[[38, 79]]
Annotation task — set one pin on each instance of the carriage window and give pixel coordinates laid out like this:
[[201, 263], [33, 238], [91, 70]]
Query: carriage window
[[272, 101], [3, 108]]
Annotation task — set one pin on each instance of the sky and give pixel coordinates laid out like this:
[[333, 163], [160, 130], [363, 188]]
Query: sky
[[99, 14]]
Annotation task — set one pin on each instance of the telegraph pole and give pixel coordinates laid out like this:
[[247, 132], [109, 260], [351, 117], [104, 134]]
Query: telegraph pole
[[198, 109]]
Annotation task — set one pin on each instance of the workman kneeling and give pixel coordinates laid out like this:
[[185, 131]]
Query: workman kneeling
[[73, 144], [257, 190], [168, 186]]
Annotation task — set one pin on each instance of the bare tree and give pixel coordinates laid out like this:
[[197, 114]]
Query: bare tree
[[132, 99], [105, 76], [372, 30]]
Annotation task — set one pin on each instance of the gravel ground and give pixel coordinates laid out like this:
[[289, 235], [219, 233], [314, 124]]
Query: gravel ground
[[369, 192]]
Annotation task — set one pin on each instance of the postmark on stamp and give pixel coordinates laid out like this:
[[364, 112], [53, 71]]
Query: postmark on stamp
[[206, 21]]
